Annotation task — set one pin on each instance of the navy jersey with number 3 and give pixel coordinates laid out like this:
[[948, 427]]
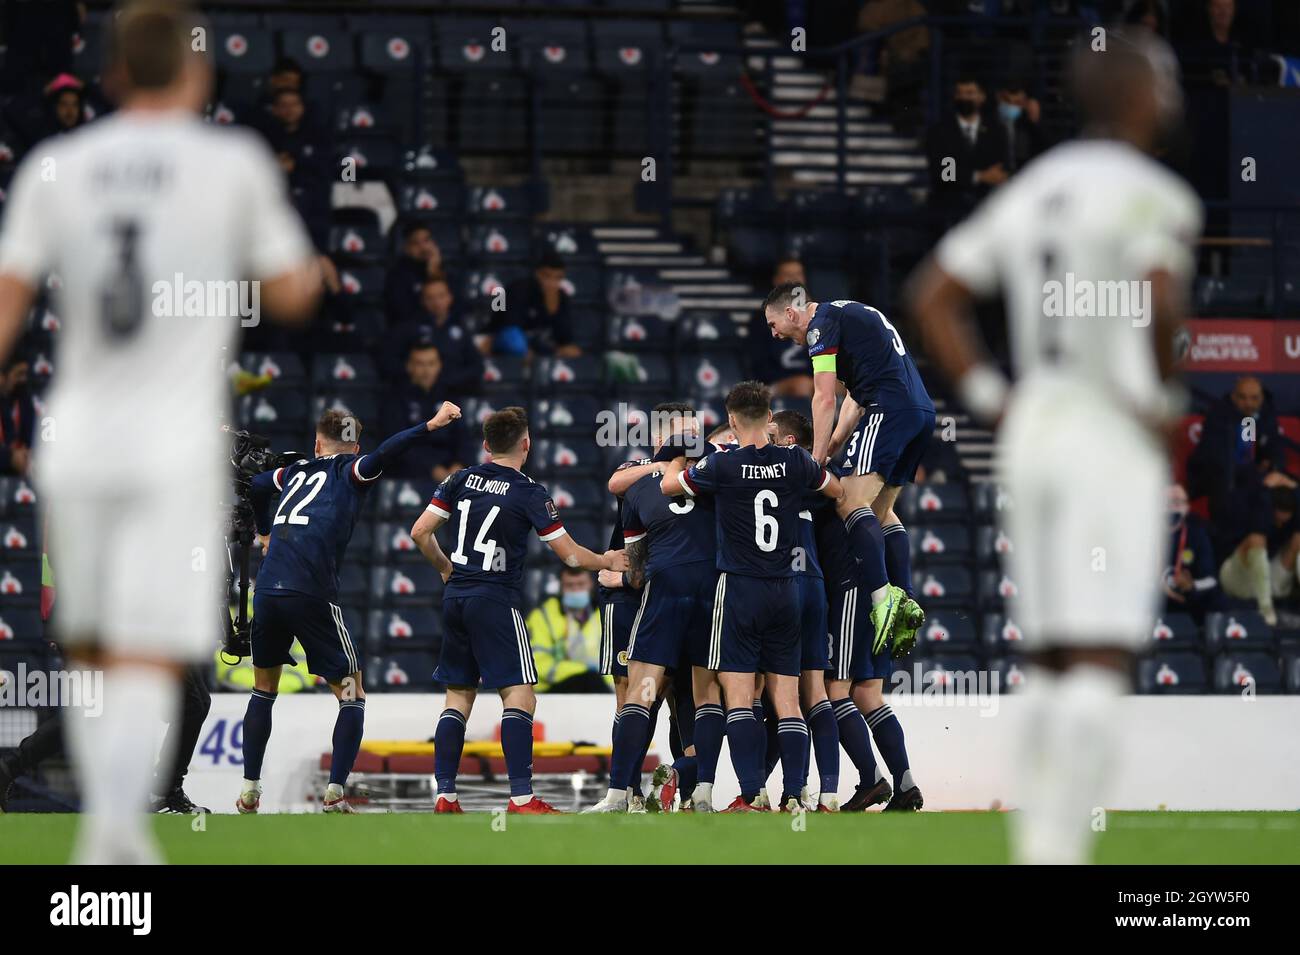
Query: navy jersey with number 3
[[493, 509], [869, 355], [320, 501], [758, 492]]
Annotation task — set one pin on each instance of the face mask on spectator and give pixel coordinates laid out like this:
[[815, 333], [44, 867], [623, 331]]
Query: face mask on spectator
[[1010, 112], [576, 599]]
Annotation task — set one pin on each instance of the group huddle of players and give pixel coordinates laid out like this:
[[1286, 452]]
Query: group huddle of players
[[732, 588]]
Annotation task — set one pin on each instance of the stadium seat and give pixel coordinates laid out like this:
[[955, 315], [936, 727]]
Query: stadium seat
[[944, 586], [992, 539], [581, 374], [498, 242], [1002, 635], [244, 49], [284, 368], [706, 331], [399, 585], [990, 501], [574, 415], [1243, 629], [944, 631], [472, 46], [493, 114], [19, 539], [397, 51], [410, 672], [1291, 672], [392, 544], [504, 375], [1246, 673], [1175, 631], [319, 50], [948, 502], [365, 283], [17, 497], [708, 375], [403, 501], [584, 284], [481, 284], [1011, 674], [276, 410], [940, 542], [640, 333], [950, 673], [1168, 674], [409, 628], [996, 586], [21, 625], [334, 371], [569, 457], [356, 243], [578, 498], [436, 199], [574, 243], [372, 158]]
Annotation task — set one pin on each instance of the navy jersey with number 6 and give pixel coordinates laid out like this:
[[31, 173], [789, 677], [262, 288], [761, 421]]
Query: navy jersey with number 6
[[758, 492], [493, 509], [320, 501], [866, 352]]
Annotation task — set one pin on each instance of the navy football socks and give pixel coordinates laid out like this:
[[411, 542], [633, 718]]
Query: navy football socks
[[517, 741], [448, 743], [747, 742], [888, 733], [898, 557], [855, 737], [868, 547], [825, 733], [257, 731], [348, 728], [792, 735], [709, 730]]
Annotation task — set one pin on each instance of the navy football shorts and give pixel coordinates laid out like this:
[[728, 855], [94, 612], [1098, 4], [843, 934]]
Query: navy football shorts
[[815, 646], [485, 640], [676, 613], [852, 634], [616, 618], [279, 616], [756, 628], [888, 443]]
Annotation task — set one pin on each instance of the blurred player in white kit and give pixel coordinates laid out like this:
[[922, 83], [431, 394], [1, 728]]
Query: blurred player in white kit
[[1080, 443], [135, 468]]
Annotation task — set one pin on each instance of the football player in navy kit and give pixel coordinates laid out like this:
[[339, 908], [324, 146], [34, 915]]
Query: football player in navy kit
[[495, 507], [758, 490], [884, 427], [319, 502]]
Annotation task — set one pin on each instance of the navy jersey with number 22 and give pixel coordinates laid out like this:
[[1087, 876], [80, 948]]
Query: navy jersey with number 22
[[320, 501], [758, 492], [493, 509]]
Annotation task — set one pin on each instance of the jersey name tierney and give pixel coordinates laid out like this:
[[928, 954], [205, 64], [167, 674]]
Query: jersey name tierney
[[762, 472]]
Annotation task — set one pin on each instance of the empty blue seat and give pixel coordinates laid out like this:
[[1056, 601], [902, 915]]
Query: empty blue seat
[[938, 542], [711, 374], [704, 331], [1011, 674], [584, 373], [996, 586], [405, 628], [468, 46], [19, 538], [393, 51], [500, 241], [403, 501], [640, 333], [243, 48], [356, 242], [567, 456], [1171, 673], [277, 408], [1002, 635], [396, 585], [578, 497], [584, 284], [481, 284], [504, 375], [410, 672], [364, 282], [1175, 631], [565, 415], [944, 586], [992, 540], [1247, 673], [990, 501], [343, 370], [320, 49], [21, 625], [935, 501], [372, 157], [501, 202], [17, 496], [359, 402], [573, 243], [439, 198], [284, 368], [1243, 629], [946, 630]]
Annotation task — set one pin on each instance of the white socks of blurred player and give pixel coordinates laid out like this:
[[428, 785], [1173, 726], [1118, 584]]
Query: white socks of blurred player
[[1069, 742], [114, 753]]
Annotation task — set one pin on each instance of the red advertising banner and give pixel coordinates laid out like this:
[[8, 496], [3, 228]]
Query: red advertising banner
[[1241, 345]]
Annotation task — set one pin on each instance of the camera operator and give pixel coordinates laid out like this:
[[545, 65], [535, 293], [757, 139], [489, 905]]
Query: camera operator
[[319, 502]]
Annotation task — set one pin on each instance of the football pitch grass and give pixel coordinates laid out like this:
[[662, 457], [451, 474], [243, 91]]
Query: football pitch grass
[[858, 838]]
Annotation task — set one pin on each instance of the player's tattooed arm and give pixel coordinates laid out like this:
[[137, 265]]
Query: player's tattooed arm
[[636, 558], [575, 555], [423, 535]]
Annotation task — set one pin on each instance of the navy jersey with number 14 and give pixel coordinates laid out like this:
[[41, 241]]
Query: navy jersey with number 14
[[493, 508]]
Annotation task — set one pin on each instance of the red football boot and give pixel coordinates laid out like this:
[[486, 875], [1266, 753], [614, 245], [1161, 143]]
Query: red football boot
[[739, 805], [448, 806], [534, 807]]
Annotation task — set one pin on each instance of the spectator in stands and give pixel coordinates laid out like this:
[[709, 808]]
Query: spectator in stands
[[446, 450], [303, 151], [1265, 566], [565, 634], [1189, 579], [1020, 123], [784, 365], [419, 260], [439, 321], [65, 101], [1211, 53], [966, 155], [1236, 464], [536, 319], [17, 419], [1150, 14], [286, 74]]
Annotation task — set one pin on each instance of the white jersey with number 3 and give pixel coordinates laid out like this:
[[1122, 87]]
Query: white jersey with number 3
[[143, 219], [1069, 242]]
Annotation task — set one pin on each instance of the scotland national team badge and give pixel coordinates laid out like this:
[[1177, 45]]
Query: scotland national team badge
[[552, 510], [814, 335], [622, 658]]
